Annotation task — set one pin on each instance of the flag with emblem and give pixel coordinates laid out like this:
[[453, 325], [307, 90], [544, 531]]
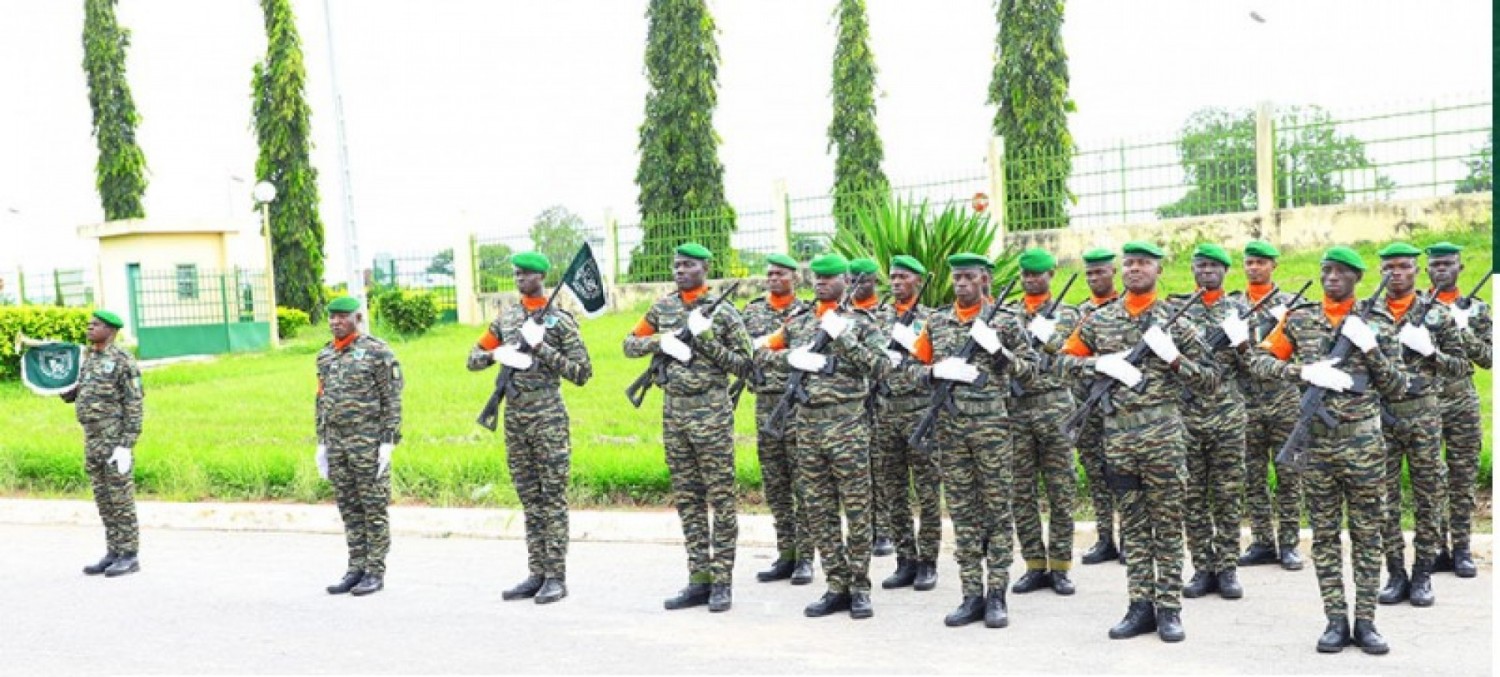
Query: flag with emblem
[[49, 367], [584, 280]]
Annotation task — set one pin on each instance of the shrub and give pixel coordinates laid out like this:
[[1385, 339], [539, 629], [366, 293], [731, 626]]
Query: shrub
[[289, 321], [408, 313], [38, 322], [886, 228]]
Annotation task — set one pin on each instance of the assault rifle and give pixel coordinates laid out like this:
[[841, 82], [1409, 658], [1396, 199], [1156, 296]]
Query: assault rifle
[[1050, 312], [796, 393], [942, 393], [490, 415], [1464, 302], [1218, 340], [656, 372]]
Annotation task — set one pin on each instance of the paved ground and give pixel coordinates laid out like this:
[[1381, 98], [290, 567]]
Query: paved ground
[[211, 601]]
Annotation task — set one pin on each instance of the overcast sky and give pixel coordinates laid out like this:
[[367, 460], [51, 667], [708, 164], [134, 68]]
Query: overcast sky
[[477, 114]]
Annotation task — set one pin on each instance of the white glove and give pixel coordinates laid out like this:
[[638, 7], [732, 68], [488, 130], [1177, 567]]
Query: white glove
[[121, 458], [512, 357], [1161, 344], [532, 332], [1461, 315], [321, 458], [904, 335], [698, 322], [1278, 311], [385, 458], [803, 359], [762, 342], [1236, 328], [1042, 328], [1417, 338], [834, 324], [676, 349], [985, 336], [1324, 375], [895, 357], [1116, 367], [1359, 333], [954, 369]]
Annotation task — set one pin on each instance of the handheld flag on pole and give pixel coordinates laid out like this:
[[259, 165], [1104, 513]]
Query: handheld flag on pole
[[584, 280], [50, 367]]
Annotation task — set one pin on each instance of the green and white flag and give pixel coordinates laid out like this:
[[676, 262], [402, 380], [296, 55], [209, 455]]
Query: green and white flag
[[585, 282], [51, 367]]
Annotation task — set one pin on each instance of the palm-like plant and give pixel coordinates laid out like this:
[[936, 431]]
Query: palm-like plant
[[890, 227]]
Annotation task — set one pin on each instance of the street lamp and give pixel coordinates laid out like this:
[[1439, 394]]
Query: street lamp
[[264, 192]]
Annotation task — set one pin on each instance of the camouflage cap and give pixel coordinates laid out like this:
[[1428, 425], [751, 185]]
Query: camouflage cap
[[1037, 260], [829, 264], [782, 260], [532, 261], [693, 250], [109, 318], [1346, 256], [908, 262]]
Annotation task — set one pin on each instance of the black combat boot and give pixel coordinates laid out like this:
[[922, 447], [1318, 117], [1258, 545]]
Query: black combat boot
[[1203, 583], [1103, 551], [1139, 620], [831, 602], [1335, 636], [720, 598], [1061, 584], [995, 613], [1420, 592], [346, 584], [695, 594], [968, 611], [883, 547], [1258, 553], [1397, 586], [860, 606], [126, 564], [369, 585], [926, 576], [1444, 561], [1031, 581], [1291, 560], [1169, 625], [101, 566], [1463, 563], [780, 570], [524, 590], [1229, 585], [803, 574], [906, 574], [553, 589], [1367, 638]]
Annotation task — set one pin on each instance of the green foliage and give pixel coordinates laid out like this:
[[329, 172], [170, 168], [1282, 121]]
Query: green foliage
[[494, 268], [898, 227], [38, 322], [120, 174], [857, 177], [805, 246], [558, 235], [404, 311], [680, 172], [1481, 168], [284, 131], [1029, 83], [289, 321], [442, 263]]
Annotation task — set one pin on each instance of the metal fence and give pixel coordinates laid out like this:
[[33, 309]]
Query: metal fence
[[492, 267], [189, 295], [71, 287], [814, 219], [429, 271]]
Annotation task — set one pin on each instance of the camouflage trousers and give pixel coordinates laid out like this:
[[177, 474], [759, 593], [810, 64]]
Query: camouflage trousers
[[1416, 437], [902, 472], [114, 492], [1346, 474], [833, 471], [1267, 425], [698, 433], [538, 453], [1091, 456], [363, 497], [1042, 455], [1216, 475], [778, 476], [1463, 436], [1144, 453], [975, 455]]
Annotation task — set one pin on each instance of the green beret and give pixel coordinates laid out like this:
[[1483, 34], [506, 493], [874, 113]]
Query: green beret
[[1262, 249], [693, 250], [1398, 250], [909, 263], [109, 318], [1036, 260], [1443, 249], [1143, 248], [863, 266], [343, 304], [829, 264], [1098, 255], [967, 260], [532, 261], [782, 260], [1212, 252], [1346, 256]]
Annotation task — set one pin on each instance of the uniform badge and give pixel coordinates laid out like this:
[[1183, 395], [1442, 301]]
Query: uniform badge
[[359, 353], [550, 321], [108, 366], [916, 326]]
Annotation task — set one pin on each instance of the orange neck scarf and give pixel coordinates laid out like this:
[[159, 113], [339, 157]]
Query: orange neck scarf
[[902, 308], [966, 314], [1212, 297], [825, 306], [867, 303], [533, 303], [1101, 300], [691, 296], [780, 301], [1399, 307], [1256, 292], [1036, 301], [1336, 311], [1135, 304], [340, 344], [1448, 297]]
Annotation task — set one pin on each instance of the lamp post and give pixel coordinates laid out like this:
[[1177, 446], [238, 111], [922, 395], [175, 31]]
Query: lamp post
[[264, 192]]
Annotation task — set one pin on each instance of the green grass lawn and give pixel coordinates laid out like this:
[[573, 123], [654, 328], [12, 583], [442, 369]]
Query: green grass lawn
[[241, 427]]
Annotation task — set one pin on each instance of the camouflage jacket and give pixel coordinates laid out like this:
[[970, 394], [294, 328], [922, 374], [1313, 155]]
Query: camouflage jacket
[[109, 389], [1079, 384], [561, 354], [946, 334], [1067, 318], [1309, 335], [359, 387], [1204, 319], [727, 352], [857, 356], [901, 381], [1479, 342], [1111, 329], [1259, 390], [763, 320], [1428, 375]]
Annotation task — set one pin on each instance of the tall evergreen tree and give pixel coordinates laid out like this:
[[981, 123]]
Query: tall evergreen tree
[[284, 131], [119, 174], [858, 180], [1030, 86], [680, 177]]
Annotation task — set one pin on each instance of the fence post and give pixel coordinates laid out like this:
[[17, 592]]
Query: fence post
[[611, 251], [1265, 169], [224, 307], [466, 281], [781, 209], [996, 164], [1433, 138], [20, 284]]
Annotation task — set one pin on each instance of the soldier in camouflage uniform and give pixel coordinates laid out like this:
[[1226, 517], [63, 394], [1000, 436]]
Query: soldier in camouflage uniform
[[1270, 413], [1215, 426], [1433, 350], [765, 316], [1345, 464], [1099, 273], [1459, 404], [1042, 453], [833, 460], [359, 426], [862, 297], [698, 420], [974, 435], [540, 350], [903, 470], [107, 402], [1144, 438]]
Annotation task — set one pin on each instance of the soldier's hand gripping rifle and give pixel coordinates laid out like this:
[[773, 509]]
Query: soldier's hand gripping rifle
[[1293, 453], [490, 415], [795, 392], [882, 388], [942, 393], [1218, 340], [656, 372], [1463, 303], [1103, 385], [1049, 312]]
